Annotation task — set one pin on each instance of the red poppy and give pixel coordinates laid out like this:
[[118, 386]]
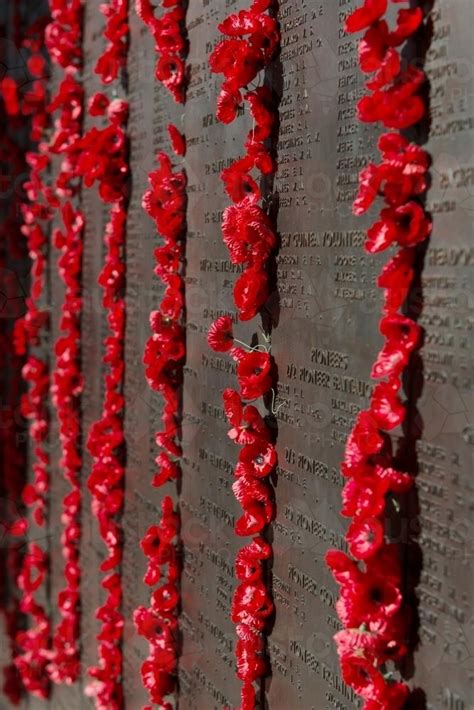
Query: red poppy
[[170, 71], [407, 225], [397, 178], [36, 65], [228, 104], [396, 278], [259, 156], [402, 335], [165, 598], [376, 641], [239, 24], [373, 599], [251, 602], [248, 425], [408, 22], [253, 520], [363, 442], [396, 481], [368, 14], [253, 373], [117, 111], [238, 183], [248, 233], [220, 336], [169, 39], [9, 93], [98, 104], [145, 11], [253, 494], [362, 676], [364, 497], [365, 537], [373, 47], [151, 542], [262, 111], [168, 470], [385, 405], [251, 292], [398, 106], [238, 61], [248, 563], [392, 696], [344, 570], [260, 456]]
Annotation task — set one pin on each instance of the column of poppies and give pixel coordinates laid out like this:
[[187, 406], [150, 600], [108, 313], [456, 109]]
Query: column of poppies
[[164, 357], [103, 160], [64, 43], [25, 103], [13, 253], [252, 41], [371, 606]]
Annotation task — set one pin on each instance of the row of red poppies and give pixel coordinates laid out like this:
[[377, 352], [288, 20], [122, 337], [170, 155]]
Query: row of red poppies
[[251, 42], [20, 104], [41, 658], [104, 161], [370, 604], [164, 357], [52, 190], [373, 610], [67, 383], [12, 445]]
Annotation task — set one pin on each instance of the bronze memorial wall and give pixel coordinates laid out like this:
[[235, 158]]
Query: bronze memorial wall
[[323, 317]]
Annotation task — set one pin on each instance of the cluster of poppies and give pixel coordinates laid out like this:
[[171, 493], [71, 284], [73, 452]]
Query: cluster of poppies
[[63, 34], [103, 158], [165, 202], [164, 358], [251, 41], [103, 161], [170, 43], [67, 383], [252, 604], [371, 606], [158, 624], [25, 101], [12, 456], [114, 58]]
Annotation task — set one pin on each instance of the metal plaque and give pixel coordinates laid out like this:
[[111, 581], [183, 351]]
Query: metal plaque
[[324, 318]]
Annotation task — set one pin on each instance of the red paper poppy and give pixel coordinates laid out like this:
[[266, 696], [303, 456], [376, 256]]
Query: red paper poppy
[[238, 183], [253, 373], [407, 225], [385, 405], [396, 278], [364, 497], [368, 14], [228, 104], [98, 104], [220, 336], [251, 292], [170, 71], [238, 61], [260, 456], [365, 537], [262, 111], [248, 233]]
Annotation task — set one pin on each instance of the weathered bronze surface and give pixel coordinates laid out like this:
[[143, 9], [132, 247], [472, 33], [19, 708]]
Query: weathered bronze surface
[[325, 337]]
